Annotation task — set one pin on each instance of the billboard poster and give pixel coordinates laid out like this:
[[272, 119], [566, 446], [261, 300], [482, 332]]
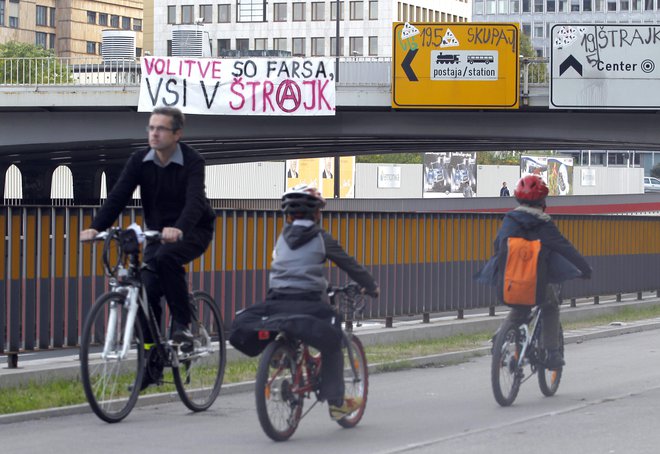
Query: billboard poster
[[556, 172], [450, 174], [320, 173]]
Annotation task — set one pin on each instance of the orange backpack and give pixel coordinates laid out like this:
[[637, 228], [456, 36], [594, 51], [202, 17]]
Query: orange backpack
[[521, 272]]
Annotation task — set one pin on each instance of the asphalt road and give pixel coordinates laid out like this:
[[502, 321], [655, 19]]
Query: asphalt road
[[608, 402]]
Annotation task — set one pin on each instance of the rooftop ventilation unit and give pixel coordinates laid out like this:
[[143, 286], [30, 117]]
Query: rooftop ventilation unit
[[118, 45], [190, 41]]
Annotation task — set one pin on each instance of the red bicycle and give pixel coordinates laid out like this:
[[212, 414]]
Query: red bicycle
[[289, 372]]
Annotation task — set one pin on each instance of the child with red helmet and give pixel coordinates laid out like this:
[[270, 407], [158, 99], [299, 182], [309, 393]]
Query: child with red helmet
[[563, 261]]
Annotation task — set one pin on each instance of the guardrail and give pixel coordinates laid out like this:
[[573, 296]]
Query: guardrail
[[74, 71], [424, 262]]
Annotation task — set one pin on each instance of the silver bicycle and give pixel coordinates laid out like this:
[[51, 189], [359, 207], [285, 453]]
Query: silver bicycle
[[112, 349]]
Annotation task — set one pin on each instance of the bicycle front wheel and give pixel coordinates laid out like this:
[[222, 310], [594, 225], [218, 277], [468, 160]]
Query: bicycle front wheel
[[111, 372], [505, 375], [356, 379], [279, 408], [549, 379], [198, 378]]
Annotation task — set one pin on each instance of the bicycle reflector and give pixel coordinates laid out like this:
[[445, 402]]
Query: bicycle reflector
[[264, 334]]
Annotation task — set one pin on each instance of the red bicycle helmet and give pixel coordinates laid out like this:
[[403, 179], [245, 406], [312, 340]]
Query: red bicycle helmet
[[531, 190], [302, 200]]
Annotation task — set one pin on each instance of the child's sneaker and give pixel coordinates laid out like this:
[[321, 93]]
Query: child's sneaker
[[350, 405]]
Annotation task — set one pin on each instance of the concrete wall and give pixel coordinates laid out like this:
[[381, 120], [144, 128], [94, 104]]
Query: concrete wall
[[366, 182]]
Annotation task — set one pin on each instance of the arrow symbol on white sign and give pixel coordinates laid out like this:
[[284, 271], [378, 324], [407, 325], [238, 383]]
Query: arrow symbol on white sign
[[570, 62]]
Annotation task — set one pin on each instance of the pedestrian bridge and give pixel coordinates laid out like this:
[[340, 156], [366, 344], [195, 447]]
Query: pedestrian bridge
[[89, 122]]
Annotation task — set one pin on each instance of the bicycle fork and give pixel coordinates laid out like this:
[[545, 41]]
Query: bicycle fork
[[529, 332], [113, 318]]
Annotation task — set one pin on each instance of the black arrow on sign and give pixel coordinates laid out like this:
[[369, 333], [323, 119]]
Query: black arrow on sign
[[571, 61], [405, 64]]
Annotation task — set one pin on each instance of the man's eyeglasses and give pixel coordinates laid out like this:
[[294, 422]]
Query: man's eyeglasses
[[158, 129]]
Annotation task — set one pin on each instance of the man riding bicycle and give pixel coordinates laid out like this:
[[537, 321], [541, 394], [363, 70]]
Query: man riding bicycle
[[563, 261], [170, 175], [297, 275]]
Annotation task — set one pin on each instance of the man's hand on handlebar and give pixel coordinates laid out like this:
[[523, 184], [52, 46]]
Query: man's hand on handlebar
[[373, 293], [88, 234], [170, 235]]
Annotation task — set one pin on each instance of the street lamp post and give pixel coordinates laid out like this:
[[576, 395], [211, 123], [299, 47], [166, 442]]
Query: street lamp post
[[337, 180]]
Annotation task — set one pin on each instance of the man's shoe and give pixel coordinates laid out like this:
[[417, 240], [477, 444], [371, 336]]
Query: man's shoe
[[181, 335], [350, 405], [153, 370], [554, 360]]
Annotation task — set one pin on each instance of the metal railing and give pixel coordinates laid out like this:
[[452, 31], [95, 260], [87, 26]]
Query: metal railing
[[75, 71]]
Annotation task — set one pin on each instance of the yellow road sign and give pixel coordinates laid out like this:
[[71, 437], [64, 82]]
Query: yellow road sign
[[455, 66]]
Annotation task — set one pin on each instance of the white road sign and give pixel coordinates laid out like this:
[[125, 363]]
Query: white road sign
[[605, 66], [450, 64]]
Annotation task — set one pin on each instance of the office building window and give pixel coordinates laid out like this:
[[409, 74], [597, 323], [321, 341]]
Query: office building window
[[138, 52], [279, 44], [538, 30], [126, 23], [171, 14], [251, 11], [373, 10], [479, 7], [318, 11], [575, 5], [42, 16], [355, 46], [333, 10], [586, 5], [563, 6], [41, 39], [224, 44], [502, 5], [103, 19], [648, 6], [260, 43], [242, 44], [137, 25], [357, 10], [91, 17], [206, 13], [279, 12], [51, 40], [373, 45], [550, 6], [526, 7], [114, 21], [298, 45], [333, 46], [169, 47], [91, 47], [527, 30], [2, 13], [52, 17], [624, 5], [224, 14], [187, 14], [318, 47], [298, 11], [611, 5], [13, 22], [538, 6], [491, 7]]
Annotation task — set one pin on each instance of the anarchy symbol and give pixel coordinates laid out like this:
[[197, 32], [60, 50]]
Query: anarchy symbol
[[288, 91]]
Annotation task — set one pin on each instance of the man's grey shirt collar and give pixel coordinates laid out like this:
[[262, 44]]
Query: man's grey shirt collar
[[177, 157]]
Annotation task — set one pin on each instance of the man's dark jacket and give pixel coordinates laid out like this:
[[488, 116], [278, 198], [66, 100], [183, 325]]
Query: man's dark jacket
[[172, 196]]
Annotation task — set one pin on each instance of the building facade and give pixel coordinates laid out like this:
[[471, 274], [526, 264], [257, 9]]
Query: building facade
[[536, 17], [70, 28], [299, 28]]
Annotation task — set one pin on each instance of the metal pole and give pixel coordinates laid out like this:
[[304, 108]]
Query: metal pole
[[337, 48], [337, 180]]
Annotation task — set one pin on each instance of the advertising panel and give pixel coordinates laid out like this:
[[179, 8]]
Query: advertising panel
[[556, 172], [320, 173], [450, 174]]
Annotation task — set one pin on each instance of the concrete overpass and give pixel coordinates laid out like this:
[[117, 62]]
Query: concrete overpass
[[92, 127]]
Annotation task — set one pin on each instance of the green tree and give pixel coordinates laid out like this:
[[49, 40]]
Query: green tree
[[538, 72], [394, 158], [22, 63]]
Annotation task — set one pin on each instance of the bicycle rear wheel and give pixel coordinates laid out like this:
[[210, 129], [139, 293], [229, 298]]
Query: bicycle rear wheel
[[356, 379], [278, 407], [549, 379], [505, 375], [198, 378], [111, 383]]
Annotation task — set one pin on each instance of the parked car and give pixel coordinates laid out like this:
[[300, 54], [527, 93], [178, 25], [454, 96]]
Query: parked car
[[651, 184]]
